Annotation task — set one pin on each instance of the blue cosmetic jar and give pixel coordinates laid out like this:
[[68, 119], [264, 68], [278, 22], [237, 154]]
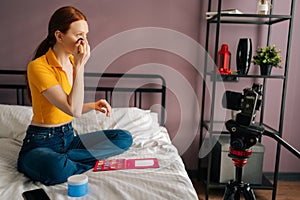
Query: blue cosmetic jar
[[77, 185]]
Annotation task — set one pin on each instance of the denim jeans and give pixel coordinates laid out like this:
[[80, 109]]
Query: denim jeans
[[51, 155]]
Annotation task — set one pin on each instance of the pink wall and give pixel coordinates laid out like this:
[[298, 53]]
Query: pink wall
[[24, 25]]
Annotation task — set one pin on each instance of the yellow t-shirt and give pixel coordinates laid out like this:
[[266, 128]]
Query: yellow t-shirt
[[43, 73]]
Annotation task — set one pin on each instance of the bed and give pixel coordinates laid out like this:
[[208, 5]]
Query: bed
[[150, 140]]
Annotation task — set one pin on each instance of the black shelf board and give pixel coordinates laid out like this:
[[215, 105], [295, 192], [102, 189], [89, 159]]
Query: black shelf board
[[206, 125], [235, 77], [224, 78], [249, 19], [266, 183]]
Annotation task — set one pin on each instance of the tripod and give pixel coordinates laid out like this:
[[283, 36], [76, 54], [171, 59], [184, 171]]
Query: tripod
[[234, 188], [241, 139]]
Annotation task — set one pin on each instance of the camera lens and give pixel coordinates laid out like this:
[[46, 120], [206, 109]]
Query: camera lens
[[232, 100]]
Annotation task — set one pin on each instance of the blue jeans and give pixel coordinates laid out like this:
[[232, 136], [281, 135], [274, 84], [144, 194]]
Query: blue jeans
[[51, 155]]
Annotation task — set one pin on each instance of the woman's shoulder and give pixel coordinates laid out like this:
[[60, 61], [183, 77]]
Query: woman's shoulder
[[38, 64], [39, 61]]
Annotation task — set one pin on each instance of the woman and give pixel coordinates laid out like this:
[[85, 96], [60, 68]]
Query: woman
[[50, 152]]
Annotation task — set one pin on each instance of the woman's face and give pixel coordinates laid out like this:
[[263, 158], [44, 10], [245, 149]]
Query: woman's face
[[78, 29]]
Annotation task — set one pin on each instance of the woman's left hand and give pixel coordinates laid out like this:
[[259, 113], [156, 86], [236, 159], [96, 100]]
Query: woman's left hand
[[103, 106]]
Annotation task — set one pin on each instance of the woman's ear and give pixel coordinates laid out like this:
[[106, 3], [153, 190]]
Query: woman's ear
[[59, 36]]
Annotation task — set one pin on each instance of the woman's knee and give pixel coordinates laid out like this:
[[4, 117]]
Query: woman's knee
[[119, 137], [126, 138], [47, 167]]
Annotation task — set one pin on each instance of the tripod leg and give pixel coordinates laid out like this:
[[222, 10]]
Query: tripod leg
[[248, 192], [237, 195], [230, 190]]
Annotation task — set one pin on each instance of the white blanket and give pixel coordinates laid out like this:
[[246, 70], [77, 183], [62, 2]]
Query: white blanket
[[169, 181]]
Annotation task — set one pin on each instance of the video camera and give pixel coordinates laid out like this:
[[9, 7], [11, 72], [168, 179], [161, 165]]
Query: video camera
[[246, 103], [243, 132]]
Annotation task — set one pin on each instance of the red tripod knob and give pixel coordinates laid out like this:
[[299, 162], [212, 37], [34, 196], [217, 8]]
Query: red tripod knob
[[239, 157]]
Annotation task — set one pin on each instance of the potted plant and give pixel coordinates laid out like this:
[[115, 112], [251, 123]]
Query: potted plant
[[267, 58]]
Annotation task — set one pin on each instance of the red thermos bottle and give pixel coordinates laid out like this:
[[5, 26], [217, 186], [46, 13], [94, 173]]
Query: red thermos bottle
[[224, 57]]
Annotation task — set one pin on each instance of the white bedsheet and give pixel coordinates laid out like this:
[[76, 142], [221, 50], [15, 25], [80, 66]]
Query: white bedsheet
[[169, 181]]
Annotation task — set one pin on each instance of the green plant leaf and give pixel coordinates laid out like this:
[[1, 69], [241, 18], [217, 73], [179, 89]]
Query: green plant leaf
[[267, 55]]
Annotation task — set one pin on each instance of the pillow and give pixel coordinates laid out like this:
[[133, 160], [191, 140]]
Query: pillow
[[86, 123], [14, 120], [129, 118]]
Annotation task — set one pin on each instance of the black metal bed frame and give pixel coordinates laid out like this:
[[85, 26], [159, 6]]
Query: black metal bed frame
[[108, 91]]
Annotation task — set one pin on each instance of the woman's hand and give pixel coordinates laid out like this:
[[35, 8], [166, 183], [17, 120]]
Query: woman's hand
[[103, 106], [82, 52]]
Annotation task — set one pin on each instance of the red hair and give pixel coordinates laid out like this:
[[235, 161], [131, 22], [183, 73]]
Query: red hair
[[60, 20]]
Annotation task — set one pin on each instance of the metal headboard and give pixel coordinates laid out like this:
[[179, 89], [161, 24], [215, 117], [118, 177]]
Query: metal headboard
[[159, 88]]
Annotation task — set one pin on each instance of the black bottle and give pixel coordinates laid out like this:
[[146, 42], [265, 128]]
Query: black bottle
[[243, 56]]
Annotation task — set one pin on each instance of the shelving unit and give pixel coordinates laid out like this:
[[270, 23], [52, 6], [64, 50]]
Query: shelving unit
[[211, 125]]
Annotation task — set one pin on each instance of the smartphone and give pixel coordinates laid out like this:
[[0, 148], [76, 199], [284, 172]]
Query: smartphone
[[36, 194]]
